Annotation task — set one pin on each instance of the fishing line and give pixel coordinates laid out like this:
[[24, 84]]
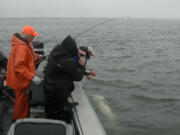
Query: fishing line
[[94, 26], [89, 29]]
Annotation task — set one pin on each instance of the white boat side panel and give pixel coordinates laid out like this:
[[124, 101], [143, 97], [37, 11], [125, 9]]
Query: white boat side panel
[[88, 119]]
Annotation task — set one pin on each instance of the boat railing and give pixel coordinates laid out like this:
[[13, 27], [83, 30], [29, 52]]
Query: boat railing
[[76, 122]]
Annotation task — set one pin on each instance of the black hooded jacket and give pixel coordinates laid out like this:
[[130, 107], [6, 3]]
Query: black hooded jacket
[[61, 70]]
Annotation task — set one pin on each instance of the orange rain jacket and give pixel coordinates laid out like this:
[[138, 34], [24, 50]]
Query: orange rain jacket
[[20, 71], [21, 68]]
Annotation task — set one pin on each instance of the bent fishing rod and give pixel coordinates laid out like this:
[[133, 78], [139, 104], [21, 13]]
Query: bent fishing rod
[[86, 30], [94, 26]]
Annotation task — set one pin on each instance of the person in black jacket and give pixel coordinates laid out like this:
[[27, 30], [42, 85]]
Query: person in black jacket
[[61, 72]]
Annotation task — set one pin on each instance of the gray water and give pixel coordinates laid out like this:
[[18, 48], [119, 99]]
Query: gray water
[[137, 90]]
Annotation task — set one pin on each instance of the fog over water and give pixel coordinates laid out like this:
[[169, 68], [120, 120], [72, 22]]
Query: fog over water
[[90, 8], [136, 91]]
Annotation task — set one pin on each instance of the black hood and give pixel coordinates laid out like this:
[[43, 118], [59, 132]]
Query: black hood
[[67, 47], [69, 44]]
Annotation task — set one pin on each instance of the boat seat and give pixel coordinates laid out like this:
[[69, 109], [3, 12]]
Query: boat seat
[[40, 127], [37, 96]]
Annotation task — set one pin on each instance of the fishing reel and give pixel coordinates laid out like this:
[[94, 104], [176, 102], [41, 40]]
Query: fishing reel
[[71, 104], [38, 47]]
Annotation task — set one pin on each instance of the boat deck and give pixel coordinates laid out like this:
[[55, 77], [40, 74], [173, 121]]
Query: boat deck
[[85, 120], [6, 116]]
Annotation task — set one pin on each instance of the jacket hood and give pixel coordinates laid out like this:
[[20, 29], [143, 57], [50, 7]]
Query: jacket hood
[[17, 39], [67, 47]]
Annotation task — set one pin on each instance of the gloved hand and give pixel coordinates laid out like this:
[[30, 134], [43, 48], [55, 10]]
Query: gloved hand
[[36, 80]]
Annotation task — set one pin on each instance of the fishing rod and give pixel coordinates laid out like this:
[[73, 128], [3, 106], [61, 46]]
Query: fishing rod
[[94, 26], [86, 30]]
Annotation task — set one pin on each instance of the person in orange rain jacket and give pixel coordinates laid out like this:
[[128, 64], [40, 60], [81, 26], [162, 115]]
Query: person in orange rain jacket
[[21, 70]]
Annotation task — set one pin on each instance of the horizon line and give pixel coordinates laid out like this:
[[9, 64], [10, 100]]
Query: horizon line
[[125, 17]]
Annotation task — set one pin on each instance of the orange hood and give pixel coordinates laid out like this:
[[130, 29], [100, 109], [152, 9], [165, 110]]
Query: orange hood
[[18, 40]]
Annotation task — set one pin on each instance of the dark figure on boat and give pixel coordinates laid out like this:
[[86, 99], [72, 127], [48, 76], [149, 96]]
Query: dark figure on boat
[[61, 72], [89, 51]]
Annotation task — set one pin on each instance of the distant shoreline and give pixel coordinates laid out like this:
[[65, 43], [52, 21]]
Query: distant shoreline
[[89, 18]]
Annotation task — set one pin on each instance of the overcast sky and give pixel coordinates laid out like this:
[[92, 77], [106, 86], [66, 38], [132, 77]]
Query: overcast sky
[[90, 8]]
